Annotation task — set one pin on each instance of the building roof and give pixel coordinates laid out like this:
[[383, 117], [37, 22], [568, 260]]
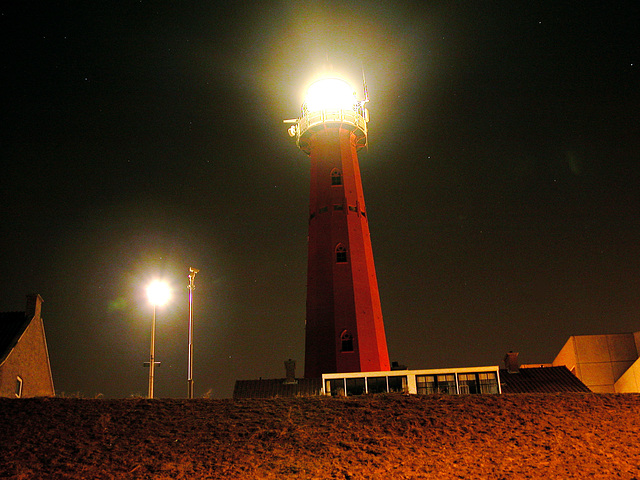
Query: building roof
[[12, 326], [541, 380], [526, 380], [278, 387]]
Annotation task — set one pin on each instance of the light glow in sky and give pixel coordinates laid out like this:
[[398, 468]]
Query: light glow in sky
[[501, 171], [159, 293], [330, 94]]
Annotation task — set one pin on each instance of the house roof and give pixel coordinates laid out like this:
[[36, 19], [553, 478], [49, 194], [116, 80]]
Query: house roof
[[278, 387], [527, 380], [541, 380], [12, 326]]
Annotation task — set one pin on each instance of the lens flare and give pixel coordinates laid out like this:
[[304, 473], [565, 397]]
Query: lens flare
[[159, 293], [330, 94]]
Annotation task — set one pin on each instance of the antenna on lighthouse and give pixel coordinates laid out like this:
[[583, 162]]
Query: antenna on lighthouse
[[364, 87], [363, 103]]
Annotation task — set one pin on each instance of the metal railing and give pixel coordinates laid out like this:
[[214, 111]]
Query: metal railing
[[355, 120]]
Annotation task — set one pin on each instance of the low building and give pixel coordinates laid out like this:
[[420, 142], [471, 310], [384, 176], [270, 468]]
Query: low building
[[25, 370], [514, 378], [537, 378], [604, 363], [448, 381], [451, 381], [541, 379], [290, 386], [277, 387]]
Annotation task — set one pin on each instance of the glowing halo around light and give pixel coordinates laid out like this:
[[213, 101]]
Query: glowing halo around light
[[158, 293], [330, 94]]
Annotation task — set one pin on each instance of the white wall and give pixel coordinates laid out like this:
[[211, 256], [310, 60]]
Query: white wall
[[600, 360]]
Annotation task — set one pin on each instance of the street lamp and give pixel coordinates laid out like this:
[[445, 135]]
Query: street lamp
[[159, 294], [192, 278]]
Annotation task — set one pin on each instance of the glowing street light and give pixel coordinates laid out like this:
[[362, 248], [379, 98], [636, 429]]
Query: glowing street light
[[158, 293]]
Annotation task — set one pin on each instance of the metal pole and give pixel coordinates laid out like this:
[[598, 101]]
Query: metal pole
[[192, 278], [152, 359]]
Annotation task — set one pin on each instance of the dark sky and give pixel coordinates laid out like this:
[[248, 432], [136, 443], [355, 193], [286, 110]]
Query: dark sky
[[143, 138]]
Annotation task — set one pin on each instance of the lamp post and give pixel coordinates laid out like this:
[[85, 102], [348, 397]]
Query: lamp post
[[158, 293], [192, 278]]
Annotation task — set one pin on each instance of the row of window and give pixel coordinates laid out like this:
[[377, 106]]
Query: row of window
[[457, 383], [467, 383], [357, 108], [360, 386]]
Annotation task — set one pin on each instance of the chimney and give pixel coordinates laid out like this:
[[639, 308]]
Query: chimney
[[397, 366], [290, 367], [511, 362], [34, 306]]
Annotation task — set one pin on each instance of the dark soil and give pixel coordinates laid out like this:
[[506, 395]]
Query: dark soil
[[377, 437]]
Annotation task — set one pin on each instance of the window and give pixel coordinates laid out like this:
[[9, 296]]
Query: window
[[19, 383], [355, 386], [337, 387], [428, 384], [347, 341], [352, 209], [336, 177], [398, 384], [424, 384], [468, 383], [334, 387], [341, 254], [472, 383], [488, 382], [377, 384], [338, 207]]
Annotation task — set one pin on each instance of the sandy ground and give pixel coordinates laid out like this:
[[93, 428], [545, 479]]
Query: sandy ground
[[373, 437]]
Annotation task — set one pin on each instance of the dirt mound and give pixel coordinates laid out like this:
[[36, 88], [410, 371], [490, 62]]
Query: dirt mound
[[385, 436]]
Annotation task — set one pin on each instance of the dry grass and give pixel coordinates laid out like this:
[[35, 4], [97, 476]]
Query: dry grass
[[386, 436]]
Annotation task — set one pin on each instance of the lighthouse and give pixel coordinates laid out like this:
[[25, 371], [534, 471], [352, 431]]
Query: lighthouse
[[344, 325]]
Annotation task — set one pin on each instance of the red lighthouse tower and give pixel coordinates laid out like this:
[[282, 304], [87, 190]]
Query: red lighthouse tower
[[344, 327]]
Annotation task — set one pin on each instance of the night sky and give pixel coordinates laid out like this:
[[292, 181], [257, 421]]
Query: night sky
[[143, 138]]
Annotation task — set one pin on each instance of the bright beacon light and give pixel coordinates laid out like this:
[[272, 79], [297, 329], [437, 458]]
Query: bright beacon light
[[159, 293], [330, 94]]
